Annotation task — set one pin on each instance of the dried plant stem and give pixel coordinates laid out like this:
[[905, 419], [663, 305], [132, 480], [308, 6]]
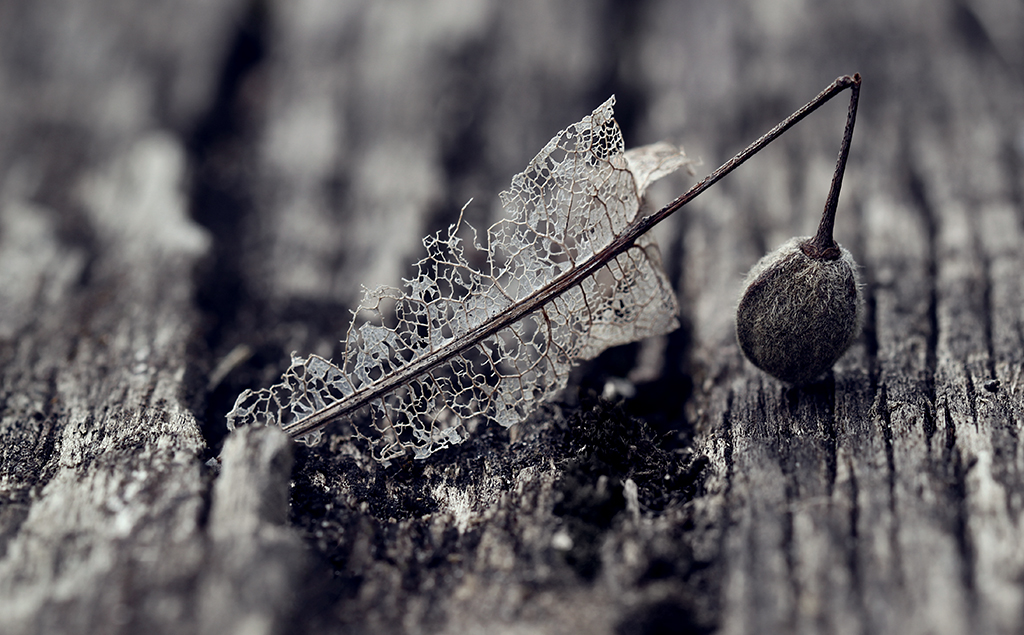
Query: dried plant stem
[[823, 246], [571, 278], [841, 83]]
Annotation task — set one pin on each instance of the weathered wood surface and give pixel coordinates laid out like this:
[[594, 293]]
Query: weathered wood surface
[[187, 183]]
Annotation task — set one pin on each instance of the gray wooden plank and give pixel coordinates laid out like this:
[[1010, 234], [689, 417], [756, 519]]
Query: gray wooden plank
[[886, 499]]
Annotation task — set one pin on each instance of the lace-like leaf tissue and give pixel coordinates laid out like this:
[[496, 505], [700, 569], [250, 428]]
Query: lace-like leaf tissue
[[461, 343]]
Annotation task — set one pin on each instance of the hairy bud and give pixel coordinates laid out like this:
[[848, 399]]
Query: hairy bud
[[801, 306], [799, 313]]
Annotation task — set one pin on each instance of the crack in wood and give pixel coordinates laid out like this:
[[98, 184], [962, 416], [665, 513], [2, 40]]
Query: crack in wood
[[831, 441], [853, 543], [961, 529], [915, 185], [987, 303], [882, 409]]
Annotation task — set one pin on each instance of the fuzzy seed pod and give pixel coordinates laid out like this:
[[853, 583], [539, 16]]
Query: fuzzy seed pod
[[800, 311], [801, 306]]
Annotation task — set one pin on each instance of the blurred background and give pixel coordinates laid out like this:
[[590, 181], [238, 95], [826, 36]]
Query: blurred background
[[322, 140]]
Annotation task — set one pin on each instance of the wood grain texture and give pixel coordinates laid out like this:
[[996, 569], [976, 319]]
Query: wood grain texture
[[191, 191]]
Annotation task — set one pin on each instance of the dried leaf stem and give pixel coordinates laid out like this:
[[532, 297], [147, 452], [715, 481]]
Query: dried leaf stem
[[576, 275]]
